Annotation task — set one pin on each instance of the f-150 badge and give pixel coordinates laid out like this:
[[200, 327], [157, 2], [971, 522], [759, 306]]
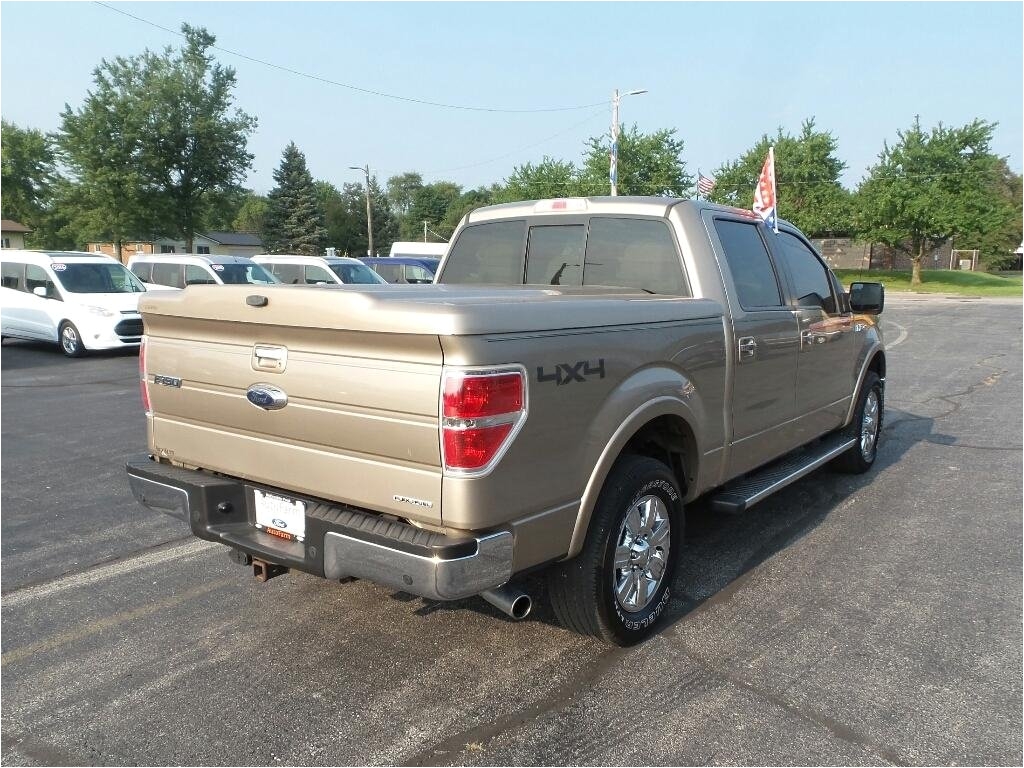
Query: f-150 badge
[[564, 373]]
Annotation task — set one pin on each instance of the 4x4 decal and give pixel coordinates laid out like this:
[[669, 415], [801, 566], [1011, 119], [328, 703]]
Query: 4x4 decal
[[565, 373]]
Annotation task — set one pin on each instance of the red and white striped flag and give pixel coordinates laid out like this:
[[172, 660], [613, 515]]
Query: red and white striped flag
[[765, 199], [705, 184]]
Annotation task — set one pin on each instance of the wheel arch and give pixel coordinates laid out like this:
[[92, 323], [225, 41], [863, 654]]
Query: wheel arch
[[661, 429], [874, 361]]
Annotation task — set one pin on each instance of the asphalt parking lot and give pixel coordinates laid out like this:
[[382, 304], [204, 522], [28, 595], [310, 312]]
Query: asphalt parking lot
[[847, 620]]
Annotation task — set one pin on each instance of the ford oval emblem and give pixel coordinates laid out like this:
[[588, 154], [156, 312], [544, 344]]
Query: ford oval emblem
[[279, 523], [266, 396]]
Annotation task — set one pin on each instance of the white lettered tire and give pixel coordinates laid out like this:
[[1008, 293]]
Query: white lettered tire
[[618, 587]]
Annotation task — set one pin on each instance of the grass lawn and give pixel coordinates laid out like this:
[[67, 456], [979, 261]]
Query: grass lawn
[[938, 281]]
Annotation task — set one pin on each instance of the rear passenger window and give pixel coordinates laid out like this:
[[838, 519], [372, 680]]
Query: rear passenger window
[[810, 278], [168, 274], [143, 271], [749, 263], [488, 253], [414, 274], [316, 275], [554, 255], [390, 272], [288, 273], [197, 276], [36, 277], [633, 253], [13, 274]]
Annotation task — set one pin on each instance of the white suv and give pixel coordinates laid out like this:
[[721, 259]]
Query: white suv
[[318, 270], [178, 270], [80, 301]]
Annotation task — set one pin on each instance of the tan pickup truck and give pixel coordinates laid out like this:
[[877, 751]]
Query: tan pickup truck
[[582, 370]]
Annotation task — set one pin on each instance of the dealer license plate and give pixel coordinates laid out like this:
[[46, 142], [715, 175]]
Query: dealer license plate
[[280, 516]]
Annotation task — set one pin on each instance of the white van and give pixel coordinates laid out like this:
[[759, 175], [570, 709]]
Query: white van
[[318, 270], [177, 270], [80, 301], [409, 248]]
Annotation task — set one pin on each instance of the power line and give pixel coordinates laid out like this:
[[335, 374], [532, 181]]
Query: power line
[[572, 127], [349, 86]]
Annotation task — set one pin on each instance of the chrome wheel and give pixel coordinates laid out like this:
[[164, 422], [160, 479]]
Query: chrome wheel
[[869, 426], [69, 340], [641, 554]]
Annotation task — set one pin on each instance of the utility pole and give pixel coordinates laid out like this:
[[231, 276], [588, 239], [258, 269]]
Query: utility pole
[[424, 230], [369, 212], [613, 170]]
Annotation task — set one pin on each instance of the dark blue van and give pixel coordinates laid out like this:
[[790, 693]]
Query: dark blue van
[[404, 269]]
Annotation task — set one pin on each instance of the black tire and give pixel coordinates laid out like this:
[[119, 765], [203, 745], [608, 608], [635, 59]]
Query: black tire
[[70, 340], [582, 590], [866, 428]]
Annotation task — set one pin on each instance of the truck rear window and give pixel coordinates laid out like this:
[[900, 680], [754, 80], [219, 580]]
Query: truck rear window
[[633, 253], [606, 251], [488, 253]]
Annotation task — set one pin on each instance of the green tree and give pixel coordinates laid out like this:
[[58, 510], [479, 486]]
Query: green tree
[[156, 144], [28, 163], [223, 207], [429, 204], [402, 189], [548, 178], [251, 214], [998, 233], [466, 202], [294, 222], [930, 187], [807, 177], [112, 196], [32, 189], [345, 215], [648, 164]]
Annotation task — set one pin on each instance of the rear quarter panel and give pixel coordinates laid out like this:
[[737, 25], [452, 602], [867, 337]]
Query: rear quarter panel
[[636, 372]]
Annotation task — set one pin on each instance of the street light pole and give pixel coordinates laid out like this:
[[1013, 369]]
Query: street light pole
[[613, 170], [369, 213]]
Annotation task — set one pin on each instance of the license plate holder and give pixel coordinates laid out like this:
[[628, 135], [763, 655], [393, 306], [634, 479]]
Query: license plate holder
[[280, 515]]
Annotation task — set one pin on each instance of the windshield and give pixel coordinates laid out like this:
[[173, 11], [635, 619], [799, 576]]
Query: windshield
[[97, 278], [242, 274], [356, 273]]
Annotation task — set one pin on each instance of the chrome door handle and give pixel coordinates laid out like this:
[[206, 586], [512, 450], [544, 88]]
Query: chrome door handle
[[747, 347]]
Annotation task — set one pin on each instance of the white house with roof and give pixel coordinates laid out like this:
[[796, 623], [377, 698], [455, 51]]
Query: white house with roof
[[12, 234]]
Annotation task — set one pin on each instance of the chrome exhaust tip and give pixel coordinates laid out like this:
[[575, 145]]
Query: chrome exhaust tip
[[511, 601]]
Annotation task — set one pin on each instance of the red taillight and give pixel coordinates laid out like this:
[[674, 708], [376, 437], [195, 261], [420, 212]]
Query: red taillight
[[473, 397], [471, 449], [143, 383], [480, 414]]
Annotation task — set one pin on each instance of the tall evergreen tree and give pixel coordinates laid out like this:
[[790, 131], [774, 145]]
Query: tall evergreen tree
[[294, 222]]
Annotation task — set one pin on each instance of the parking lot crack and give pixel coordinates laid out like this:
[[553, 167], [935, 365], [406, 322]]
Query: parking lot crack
[[835, 727], [450, 751]]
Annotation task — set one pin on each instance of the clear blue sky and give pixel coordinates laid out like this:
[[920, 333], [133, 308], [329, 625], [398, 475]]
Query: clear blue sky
[[722, 74]]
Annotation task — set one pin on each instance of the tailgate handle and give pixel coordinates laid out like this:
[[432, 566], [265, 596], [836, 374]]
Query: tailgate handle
[[269, 358]]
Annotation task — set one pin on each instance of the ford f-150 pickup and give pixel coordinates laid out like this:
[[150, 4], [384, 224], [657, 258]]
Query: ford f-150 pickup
[[580, 372]]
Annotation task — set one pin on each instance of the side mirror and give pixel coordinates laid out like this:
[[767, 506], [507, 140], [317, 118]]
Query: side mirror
[[40, 291], [867, 298]]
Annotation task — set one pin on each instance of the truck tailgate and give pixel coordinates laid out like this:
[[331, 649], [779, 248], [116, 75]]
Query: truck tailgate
[[360, 424]]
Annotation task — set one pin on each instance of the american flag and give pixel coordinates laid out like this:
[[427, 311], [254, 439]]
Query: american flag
[[765, 200], [704, 184]]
